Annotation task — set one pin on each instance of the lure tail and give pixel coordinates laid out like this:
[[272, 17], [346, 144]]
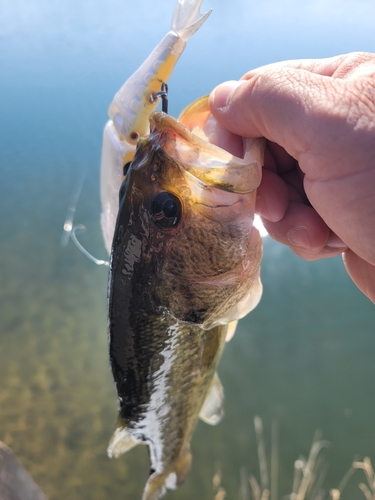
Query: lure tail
[[187, 18]]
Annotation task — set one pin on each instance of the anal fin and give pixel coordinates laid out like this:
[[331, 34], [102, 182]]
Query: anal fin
[[212, 410], [121, 441], [231, 330]]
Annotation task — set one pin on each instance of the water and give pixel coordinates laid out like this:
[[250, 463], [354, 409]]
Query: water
[[304, 357]]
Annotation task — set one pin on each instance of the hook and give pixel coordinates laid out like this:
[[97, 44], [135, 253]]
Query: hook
[[163, 95]]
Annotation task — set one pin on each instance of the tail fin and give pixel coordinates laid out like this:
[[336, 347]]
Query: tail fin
[[187, 18], [157, 484]]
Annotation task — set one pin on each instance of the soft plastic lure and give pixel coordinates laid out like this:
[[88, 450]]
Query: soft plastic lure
[[134, 103]]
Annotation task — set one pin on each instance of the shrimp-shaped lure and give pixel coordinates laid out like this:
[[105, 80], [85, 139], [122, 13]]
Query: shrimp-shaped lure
[[134, 103]]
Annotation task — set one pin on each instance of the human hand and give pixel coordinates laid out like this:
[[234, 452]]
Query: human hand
[[318, 189]]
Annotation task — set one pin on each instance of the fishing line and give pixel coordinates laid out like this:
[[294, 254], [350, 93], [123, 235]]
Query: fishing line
[[69, 230], [70, 213], [82, 228]]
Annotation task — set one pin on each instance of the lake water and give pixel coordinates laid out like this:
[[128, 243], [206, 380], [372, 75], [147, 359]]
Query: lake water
[[304, 358]]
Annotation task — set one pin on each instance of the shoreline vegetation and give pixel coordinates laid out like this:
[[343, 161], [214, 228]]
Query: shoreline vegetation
[[308, 478]]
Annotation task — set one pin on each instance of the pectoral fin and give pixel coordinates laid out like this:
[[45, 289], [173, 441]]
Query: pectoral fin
[[121, 441], [174, 476], [212, 410], [242, 308]]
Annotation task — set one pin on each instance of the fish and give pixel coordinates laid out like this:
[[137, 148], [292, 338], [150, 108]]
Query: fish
[[177, 220], [185, 267], [133, 104]]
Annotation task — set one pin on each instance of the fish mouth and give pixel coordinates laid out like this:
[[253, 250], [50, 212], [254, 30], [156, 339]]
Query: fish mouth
[[227, 205], [221, 206], [208, 163]]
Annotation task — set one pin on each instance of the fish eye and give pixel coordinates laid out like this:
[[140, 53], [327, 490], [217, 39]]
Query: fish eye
[[166, 210]]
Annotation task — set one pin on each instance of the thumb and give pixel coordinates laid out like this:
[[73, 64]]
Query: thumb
[[284, 104]]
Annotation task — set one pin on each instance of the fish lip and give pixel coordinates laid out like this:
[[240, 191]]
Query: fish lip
[[162, 123], [207, 163], [219, 205]]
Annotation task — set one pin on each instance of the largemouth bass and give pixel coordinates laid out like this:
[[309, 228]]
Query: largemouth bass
[[184, 268]]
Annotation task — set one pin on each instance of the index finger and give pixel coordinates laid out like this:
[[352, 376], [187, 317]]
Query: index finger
[[337, 66]]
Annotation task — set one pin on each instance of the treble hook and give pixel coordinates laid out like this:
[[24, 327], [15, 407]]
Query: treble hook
[[163, 95]]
